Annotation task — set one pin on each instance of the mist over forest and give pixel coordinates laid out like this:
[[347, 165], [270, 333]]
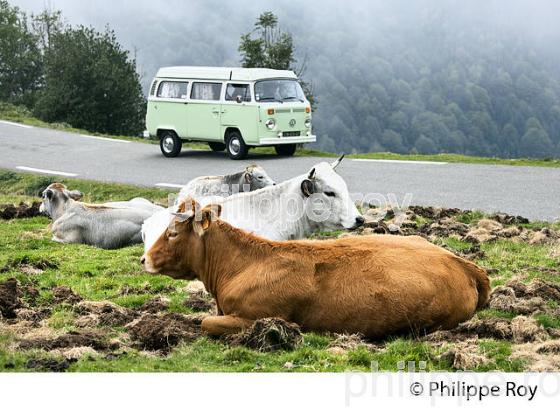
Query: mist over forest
[[479, 77]]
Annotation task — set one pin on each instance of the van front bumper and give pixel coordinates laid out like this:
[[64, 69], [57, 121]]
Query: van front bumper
[[288, 140]]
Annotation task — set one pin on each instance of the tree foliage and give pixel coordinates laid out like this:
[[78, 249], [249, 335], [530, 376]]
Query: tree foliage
[[271, 48], [75, 75], [91, 83], [20, 58]]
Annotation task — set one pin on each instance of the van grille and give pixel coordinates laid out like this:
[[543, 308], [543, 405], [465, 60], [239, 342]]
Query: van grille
[[298, 110], [283, 110], [291, 134]]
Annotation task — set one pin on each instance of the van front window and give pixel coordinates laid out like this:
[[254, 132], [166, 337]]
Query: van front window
[[278, 90]]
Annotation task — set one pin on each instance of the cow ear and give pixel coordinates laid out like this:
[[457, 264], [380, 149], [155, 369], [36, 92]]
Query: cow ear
[[307, 187], [208, 215], [49, 193], [248, 176], [75, 195]]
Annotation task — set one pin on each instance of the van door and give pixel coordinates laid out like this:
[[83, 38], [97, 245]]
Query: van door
[[204, 112], [237, 112], [169, 109]]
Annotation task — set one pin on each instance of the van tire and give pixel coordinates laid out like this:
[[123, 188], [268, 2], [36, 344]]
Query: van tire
[[235, 146], [170, 144], [217, 146], [285, 150]]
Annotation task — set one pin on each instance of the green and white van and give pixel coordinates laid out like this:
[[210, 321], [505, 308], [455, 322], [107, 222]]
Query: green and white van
[[229, 108]]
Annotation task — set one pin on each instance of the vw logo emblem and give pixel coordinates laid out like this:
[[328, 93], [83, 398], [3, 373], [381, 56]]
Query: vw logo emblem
[[292, 123]]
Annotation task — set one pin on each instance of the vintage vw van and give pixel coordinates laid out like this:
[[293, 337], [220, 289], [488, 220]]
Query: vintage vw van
[[229, 108]]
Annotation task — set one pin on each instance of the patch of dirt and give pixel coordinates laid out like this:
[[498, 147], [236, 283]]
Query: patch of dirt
[[63, 294], [200, 303], [26, 265], [506, 219], [103, 313], [525, 329], [88, 338], [153, 332], [465, 355], [503, 298], [269, 335], [10, 299], [155, 305], [33, 315], [23, 210], [492, 327], [48, 365], [541, 357]]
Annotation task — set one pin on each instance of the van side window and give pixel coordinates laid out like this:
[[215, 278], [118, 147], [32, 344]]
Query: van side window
[[172, 89], [206, 91], [235, 90]]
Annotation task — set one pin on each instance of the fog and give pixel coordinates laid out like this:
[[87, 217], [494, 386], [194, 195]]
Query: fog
[[207, 32]]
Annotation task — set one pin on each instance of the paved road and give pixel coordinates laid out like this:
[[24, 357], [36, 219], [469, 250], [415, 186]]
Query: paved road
[[529, 191]]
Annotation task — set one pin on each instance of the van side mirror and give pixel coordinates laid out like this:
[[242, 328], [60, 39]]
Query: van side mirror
[[238, 99]]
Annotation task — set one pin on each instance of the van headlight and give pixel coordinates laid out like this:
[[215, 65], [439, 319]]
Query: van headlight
[[308, 122], [270, 123]]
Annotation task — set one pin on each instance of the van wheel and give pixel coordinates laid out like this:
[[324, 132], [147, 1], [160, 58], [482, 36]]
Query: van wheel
[[235, 146], [217, 146], [286, 150], [170, 144]]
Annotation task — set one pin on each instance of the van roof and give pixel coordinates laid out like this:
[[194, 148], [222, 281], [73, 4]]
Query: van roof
[[223, 73]]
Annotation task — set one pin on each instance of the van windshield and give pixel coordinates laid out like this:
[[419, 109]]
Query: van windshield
[[278, 90]]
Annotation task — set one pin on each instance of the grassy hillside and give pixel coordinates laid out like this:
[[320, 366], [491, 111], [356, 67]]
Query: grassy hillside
[[58, 325]]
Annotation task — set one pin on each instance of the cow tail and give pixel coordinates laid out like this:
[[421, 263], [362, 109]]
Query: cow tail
[[482, 286]]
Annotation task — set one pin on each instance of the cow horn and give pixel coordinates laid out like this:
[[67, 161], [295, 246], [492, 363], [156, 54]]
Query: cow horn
[[311, 174], [337, 162]]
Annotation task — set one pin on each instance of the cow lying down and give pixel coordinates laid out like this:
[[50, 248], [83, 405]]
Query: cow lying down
[[250, 179], [376, 285], [293, 209], [103, 226]]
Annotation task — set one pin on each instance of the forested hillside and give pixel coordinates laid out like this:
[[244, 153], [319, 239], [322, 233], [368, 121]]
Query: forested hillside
[[480, 77]]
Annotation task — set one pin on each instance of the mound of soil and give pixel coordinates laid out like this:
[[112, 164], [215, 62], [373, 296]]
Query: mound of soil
[[68, 340], [269, 335], [465, 355], [153, 332], [199, 303], [519, 298], [63, 294], [9, 299], [10, 211], [103, 313], [48, 365], [26, 265], [155, 305]]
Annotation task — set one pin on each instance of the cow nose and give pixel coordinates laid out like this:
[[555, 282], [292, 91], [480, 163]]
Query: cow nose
[[360, 220], [143, 260]]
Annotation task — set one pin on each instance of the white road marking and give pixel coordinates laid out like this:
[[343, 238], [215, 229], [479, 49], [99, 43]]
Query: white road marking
[[17, 124], [93, 137], [47, 171], [398, 161], [166, 185]]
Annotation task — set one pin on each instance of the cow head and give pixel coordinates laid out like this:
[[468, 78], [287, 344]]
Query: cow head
[[328, 202], [55, 199], [256, 177], [180, 249]]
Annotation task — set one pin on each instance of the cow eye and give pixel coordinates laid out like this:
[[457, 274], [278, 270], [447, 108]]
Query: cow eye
[[330, 193]]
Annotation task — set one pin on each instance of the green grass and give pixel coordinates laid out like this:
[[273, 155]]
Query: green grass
[[116, 275], [23, 115]]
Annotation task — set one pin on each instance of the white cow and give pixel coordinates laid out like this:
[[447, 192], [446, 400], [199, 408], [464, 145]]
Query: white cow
[[138, 203], [293, 209], [103, 226]]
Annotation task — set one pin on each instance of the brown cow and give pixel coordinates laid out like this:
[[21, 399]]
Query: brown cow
[[376, 285]]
